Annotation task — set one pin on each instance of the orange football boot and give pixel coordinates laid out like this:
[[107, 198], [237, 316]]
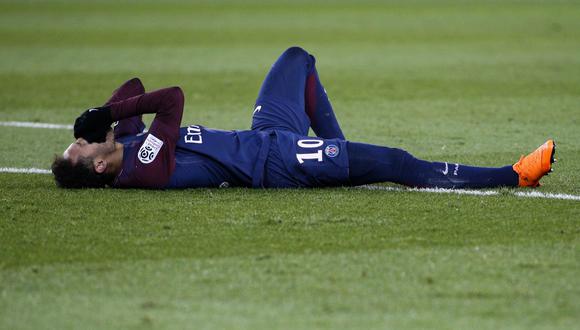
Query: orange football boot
[[533, 167]]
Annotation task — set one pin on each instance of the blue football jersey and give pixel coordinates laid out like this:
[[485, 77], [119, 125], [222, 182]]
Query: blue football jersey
[[206, 157], [210, 157]]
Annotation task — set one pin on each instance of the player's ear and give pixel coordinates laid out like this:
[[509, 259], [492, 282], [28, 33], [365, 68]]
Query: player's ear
[[100, 165]]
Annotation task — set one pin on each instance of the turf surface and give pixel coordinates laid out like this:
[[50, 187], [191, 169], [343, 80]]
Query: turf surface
[[465, 81]]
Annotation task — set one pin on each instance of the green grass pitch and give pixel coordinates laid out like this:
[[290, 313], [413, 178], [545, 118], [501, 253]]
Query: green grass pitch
[[478, 82]]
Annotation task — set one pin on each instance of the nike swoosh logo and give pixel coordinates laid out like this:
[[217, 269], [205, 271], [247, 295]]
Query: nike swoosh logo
[[446, 170]]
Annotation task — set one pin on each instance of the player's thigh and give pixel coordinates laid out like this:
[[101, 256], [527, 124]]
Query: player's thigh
[[280, 115], [280, 102]]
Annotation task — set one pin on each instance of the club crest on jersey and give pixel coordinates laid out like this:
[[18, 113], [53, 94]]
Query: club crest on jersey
[[149, 149], [331, 150]]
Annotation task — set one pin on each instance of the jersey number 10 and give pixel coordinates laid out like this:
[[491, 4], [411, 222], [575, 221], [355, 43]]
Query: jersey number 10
[[310, 143]]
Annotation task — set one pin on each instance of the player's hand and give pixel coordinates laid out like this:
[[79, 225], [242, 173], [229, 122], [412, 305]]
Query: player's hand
[[93, 124]]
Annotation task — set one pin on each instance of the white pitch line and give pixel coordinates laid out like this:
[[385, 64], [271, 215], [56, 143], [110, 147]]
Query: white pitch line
[[435, 190], [24, 170], [530, 194], [28, 124], [538, 194]]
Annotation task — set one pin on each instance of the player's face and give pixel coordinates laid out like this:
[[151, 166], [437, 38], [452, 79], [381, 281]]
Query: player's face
[[81, 148]]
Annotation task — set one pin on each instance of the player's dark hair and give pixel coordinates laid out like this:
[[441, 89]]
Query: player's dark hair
[[80, 175]]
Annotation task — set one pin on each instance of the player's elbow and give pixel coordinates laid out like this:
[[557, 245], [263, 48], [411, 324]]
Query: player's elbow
[[135, 81], [136, 84], [174, 95], [177, 93]]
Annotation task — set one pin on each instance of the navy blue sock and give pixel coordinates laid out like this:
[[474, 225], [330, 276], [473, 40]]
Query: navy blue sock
[[371, 164]]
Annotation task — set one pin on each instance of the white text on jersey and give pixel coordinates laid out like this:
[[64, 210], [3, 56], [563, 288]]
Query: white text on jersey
[[193, 135]]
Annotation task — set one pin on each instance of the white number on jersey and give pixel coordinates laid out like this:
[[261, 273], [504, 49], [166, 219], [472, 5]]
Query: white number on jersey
[[310, 143]]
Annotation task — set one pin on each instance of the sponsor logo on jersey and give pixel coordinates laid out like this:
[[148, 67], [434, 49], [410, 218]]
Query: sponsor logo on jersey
[[331, 150], [149, 149]]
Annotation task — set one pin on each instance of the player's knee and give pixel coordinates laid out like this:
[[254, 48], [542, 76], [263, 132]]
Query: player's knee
[[402, 155], [394, 156], [296, 52]]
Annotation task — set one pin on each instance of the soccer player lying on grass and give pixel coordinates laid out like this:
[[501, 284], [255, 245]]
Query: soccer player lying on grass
[[275, 153]]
